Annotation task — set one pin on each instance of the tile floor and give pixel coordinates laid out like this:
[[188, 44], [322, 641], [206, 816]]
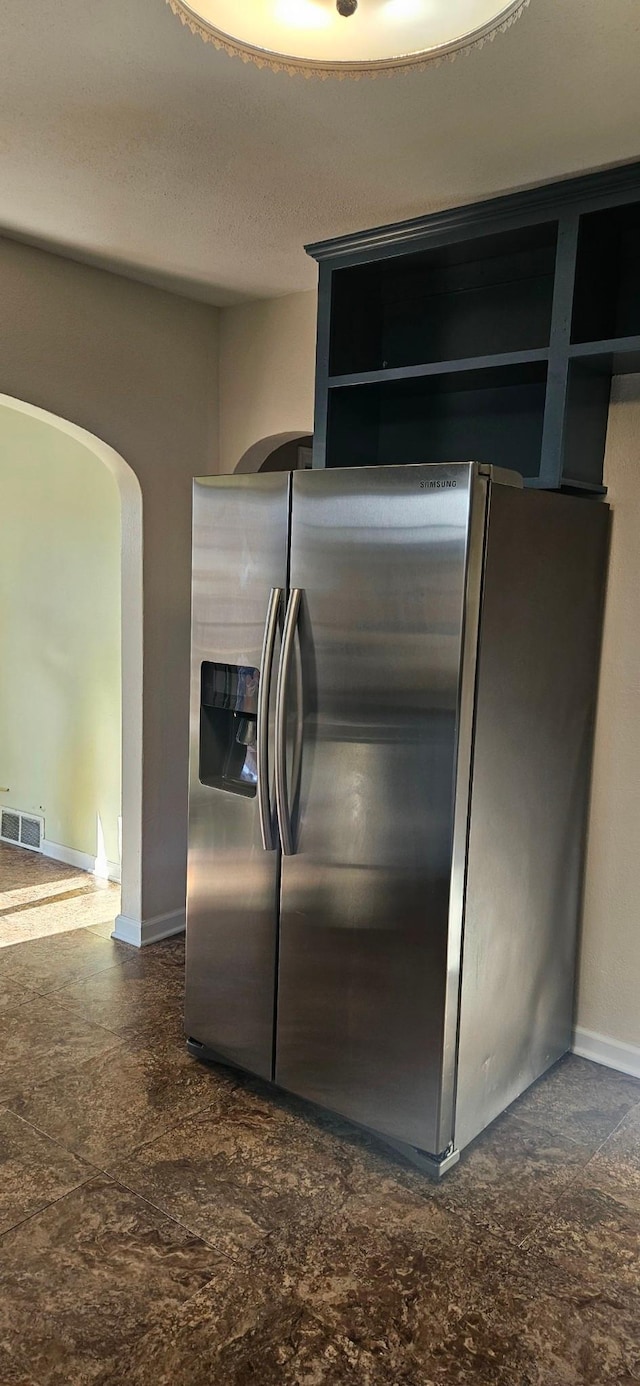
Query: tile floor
[[166, 1225]]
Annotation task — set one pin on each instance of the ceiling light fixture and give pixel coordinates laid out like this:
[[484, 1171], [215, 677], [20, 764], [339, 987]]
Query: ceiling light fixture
[[346, 38]]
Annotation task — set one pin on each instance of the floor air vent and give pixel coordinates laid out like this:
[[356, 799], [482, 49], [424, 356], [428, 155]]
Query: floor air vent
[[22, 829], [10, 826]]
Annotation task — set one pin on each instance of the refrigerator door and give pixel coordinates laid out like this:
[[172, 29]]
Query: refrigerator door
[[368, 972], [240, 554]]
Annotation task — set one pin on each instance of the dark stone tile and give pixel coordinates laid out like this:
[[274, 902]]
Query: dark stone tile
[[122, 1099], [169, 950], [135, 998], [14, 1368], [418, 1302], [579, 1099], [392, 1280], [237, 1176], [615, 1167], [12, 996], [546, 1326], [505, 1182], [343, 1266], [87, 1277], [360, 1155], [46, 964], [170, 1031], [45, 1038], [596, 1239], [418, 1299], [34, 1171], [533, 1326], [241, 1330], [509, 1177], [340, 1302]]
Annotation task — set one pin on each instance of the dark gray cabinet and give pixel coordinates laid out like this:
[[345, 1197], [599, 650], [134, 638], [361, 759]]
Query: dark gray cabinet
[[488, 332]]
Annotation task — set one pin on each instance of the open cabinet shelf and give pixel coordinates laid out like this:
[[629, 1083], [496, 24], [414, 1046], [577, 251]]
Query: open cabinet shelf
[[441, 418], [488, 332], [607, 293], [486, 296], [433, 368], [620, 355]]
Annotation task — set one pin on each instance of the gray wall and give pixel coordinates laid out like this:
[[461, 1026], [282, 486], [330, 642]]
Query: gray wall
[[137, 367]]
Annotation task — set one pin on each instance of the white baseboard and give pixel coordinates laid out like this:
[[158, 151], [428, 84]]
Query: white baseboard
[[139, 933], [105, 870], [603, 1050]]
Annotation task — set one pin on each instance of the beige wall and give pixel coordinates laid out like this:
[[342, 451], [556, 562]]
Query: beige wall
[[60, 636], [133, 365], [609, 991], [267, 367]]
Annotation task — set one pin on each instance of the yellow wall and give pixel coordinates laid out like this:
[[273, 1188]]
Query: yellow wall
[[266, 385], [59, 635]]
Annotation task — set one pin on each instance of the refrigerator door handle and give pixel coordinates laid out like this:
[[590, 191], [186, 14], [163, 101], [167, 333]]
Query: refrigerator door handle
[[262, 719], [286, 652]]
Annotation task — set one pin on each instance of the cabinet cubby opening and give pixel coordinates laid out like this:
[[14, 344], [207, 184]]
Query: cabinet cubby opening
[[479, 297], [493, 416], [607, 288]]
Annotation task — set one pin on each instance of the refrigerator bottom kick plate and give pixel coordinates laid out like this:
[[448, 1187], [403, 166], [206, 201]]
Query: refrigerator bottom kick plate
[[209, 1056], [435, 1166]]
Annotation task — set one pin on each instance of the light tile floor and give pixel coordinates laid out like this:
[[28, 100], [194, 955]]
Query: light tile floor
[[41, 898], [162, 1224]]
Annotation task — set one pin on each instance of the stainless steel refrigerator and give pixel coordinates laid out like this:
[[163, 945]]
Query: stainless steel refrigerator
[[393, 686]]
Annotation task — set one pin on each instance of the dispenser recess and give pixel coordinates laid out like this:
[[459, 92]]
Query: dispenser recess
[[228, 711]]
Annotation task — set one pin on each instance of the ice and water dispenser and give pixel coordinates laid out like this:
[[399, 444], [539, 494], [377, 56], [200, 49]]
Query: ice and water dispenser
[[228, 716]]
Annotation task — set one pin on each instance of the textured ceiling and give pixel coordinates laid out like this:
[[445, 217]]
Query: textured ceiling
[[127, 141]]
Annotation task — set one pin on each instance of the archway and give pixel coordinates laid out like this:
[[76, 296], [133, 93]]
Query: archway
[[131, 650], [278, 452]]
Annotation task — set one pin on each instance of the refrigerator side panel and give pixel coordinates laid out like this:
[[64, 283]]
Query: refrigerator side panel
[[537, 678], [381, 556], [240, 549]]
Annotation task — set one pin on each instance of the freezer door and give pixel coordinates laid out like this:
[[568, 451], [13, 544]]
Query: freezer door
[[240, 548], [366, 970]]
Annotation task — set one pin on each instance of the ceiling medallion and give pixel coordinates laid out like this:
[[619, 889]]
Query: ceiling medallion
[[346, 38]]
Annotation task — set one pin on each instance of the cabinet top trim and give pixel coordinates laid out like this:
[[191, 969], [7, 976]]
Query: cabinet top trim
[[547, 199]]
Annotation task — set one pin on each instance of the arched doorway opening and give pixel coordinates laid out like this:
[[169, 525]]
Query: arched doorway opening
[[69, 440], [280, 452]]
